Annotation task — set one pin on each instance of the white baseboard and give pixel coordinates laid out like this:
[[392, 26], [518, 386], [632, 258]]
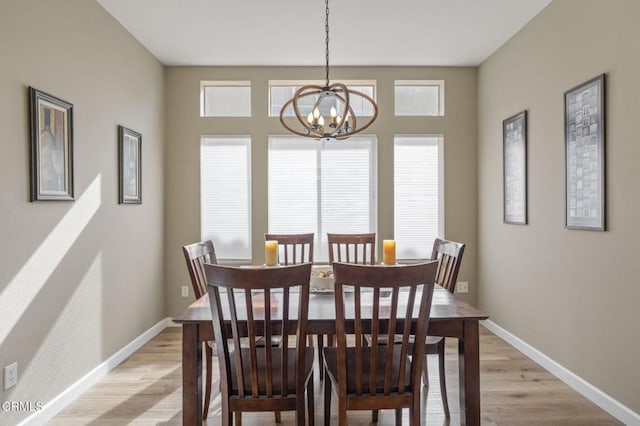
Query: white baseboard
[[54, 406], [595, 395]]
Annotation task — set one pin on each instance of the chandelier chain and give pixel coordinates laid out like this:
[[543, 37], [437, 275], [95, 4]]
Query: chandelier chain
[[326, 40]]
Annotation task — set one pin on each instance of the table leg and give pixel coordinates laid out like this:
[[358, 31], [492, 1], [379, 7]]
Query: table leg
[[469, 374], [191, 376]]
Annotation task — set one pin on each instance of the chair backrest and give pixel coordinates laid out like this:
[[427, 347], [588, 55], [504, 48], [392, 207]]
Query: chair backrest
[[449, 253], [196, 256], [293, 248], [379, 315], [352, 248], [261, 298]]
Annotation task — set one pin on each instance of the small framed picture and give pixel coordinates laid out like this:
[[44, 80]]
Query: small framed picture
[[129, 166], [51, 138], [585, 155], [514, 157]]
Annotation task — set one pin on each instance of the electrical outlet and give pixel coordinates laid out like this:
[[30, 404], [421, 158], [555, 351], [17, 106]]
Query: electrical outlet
[[185, 291], [463, 287], [10, 375]]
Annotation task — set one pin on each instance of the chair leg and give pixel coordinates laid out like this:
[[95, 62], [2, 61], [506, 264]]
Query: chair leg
[[277, 416], [227, 415], [238, 416], [342, 412], [374, 413], [327, 401], [443, 381], [425, 373], [398, 416], [208, 353], [310, 408], [415, 413], [320, 338]]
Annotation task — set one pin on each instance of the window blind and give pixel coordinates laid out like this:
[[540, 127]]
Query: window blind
[[418, 206], [322, 187], [225, 188]]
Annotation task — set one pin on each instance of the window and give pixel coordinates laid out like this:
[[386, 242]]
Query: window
[[281, 91], [225, 190], [225, 99], [419, 97], [418, 194], [322, 187]]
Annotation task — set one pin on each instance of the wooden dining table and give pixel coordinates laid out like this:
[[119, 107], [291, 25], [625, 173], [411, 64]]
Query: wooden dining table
[[450, 317]]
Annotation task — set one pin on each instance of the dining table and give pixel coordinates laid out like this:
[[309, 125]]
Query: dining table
[[450, 317]]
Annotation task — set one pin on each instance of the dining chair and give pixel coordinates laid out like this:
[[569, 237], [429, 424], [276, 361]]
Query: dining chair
[[262, 378], [449, 257], [352, 248], [292, 250], [196, 255], [379, 376]]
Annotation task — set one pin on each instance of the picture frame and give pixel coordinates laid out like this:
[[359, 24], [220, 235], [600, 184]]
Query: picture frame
[[51, 140], [129, 166], [585, 190], [514, 158]]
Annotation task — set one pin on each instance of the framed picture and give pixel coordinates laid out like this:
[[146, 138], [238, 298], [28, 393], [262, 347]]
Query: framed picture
[[585, 156], [129, 166], [514, 157], [51, 135]]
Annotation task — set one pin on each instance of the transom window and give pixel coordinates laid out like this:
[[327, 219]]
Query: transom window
[[419, 97], [280, 91], [225, 99]]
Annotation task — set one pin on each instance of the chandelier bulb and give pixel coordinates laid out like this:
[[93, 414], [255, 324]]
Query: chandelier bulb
[[310, 118], [321, 121], [316, 112]]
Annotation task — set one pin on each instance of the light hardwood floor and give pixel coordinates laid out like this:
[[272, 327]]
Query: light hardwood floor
[[146, 390]]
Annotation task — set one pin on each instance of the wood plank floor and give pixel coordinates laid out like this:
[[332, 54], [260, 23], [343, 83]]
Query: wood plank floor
[[146, 390]]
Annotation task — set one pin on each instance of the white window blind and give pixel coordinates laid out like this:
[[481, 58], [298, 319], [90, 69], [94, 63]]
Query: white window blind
[[418, 194], [322, 187], [225, 189]]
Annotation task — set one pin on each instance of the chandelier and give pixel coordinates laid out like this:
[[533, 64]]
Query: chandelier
[[331, 116]]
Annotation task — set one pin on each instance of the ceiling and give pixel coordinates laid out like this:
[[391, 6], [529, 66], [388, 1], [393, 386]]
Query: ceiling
[[291, 32]]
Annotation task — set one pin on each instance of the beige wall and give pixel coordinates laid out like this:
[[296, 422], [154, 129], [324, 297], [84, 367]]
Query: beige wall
[[573, 295], [183, 148], [78, 280]]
